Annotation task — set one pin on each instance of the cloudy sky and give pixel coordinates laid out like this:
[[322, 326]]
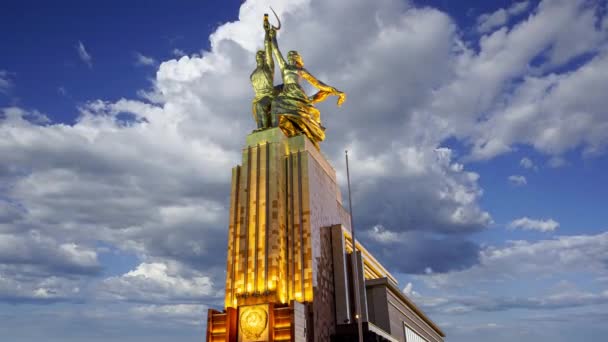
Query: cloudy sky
[[477, 130]]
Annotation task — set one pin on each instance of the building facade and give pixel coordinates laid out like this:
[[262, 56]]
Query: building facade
[[290, 251]]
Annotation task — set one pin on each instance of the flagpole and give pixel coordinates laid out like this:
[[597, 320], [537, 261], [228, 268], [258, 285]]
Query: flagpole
[[354, 258]]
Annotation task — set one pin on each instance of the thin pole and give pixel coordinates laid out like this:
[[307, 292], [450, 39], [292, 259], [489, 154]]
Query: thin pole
[[354, 258]]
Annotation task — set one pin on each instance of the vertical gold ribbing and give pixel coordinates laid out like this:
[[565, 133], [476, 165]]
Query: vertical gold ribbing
[[295, 218], [256, 230], [246, 225], [277, 230], [292, 240], [232, 234], [274, 221], [252, 222], [306, 226], [266, 215], [286, 258], [241, 248], [235, 235], [301, 224], [260, 257], [269, 246]]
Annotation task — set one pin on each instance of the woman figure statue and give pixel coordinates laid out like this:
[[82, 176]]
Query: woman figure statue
[[292, 110]]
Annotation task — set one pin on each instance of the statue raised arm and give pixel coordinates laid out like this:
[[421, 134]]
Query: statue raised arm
[[262, 79], [292, 110], [268, 43]]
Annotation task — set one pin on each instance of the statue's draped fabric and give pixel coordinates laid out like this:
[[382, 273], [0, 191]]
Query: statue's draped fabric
[[295, 111]]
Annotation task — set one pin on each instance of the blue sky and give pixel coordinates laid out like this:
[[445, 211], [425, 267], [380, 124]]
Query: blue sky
[[477, 132], [43, 37]]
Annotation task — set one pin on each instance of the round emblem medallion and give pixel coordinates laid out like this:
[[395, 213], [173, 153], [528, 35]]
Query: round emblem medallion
[[253, 322]]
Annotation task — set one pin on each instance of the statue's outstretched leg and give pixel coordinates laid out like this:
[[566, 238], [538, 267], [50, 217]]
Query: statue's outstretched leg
[[268, 119], [265, 115], [274, 120], [262, 113], [259, 115]]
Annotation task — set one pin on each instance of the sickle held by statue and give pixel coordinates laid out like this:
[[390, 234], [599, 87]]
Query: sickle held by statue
[[278, 20]]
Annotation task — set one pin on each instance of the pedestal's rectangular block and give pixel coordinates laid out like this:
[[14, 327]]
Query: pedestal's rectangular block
[[288, 275], [282, 194]]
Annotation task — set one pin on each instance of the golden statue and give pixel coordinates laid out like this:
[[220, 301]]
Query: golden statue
[[291, 109], [262, 81]]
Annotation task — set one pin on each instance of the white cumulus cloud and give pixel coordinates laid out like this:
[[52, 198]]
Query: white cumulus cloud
[[548, 225], [517, 180], [512, 90], [158, 282], [84, 54], [527, 163], [144, 60], [178, 52], [5, 82], [488, 21]]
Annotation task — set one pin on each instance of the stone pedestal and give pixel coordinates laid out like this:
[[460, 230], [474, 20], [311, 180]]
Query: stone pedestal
[[290, 251], [294, 270], [283, 194]]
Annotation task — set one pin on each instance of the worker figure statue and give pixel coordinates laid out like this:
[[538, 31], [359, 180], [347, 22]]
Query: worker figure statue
[[291, 109], [262, 81]]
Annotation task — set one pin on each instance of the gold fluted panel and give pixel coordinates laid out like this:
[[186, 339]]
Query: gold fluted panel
[[269, 244]]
